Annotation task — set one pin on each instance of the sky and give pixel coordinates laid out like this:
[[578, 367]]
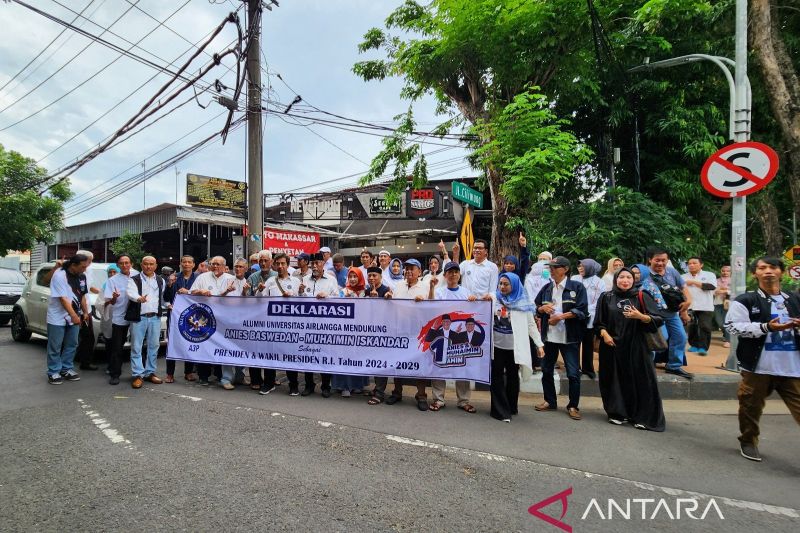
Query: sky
[[312, 44]]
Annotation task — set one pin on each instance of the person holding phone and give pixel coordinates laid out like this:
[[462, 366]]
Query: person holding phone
[[628, 384], [767, 323]]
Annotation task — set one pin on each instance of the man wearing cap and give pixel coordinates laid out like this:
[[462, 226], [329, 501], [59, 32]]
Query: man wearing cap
[[411, 289], [318, 285], [302, 270], [562, 306], [326, 257], [385, 262], [479, 275], [452, 291]]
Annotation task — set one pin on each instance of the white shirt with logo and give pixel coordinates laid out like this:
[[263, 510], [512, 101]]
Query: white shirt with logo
[[324, 285], [119, 283], [403, 292], [780, 356], [479, 278], [273, 286], [217, 285], [558, 333]]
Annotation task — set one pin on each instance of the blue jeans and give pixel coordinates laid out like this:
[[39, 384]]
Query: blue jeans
[[148, 328], [569, 352], [62, 342], [676, 338], [227, 374]]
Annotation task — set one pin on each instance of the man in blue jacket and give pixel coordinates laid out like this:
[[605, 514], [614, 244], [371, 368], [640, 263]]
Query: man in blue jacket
[[562, 307]]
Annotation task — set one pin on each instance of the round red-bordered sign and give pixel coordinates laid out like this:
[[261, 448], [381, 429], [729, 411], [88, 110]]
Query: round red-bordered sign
[[739, 169]]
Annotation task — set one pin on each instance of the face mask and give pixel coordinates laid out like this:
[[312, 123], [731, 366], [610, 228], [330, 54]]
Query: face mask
[[545, 274]]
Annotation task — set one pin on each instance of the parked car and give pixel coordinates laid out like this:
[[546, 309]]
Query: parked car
[[29, 313], [11, 284]]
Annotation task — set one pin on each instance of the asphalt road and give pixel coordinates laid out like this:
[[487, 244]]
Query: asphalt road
[[87, 456]]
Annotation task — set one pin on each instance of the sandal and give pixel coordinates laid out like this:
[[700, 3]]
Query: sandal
[[190, 377], [169, 379], [254, 386], [468, 408], [375, 400], [435, 406]]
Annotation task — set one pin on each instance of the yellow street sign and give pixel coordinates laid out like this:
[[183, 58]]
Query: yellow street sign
[[467, 237], [793, 253]]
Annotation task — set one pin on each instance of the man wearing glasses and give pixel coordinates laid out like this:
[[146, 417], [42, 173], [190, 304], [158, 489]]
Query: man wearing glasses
[[216, 282], [479, 275]]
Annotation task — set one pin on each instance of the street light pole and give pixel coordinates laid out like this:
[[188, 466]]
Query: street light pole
[[255, 184]]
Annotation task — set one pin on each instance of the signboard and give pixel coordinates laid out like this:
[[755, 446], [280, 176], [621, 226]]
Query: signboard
[[441, 339], [793, 253], [467, 237], [292, 243], [739, 169], [379, 206], [468, 195], [422, 203], [794, 272], [216, 193]]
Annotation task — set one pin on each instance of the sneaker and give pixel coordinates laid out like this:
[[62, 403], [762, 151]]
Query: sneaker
[[345, 394], [750, 451], [55, 379], [693, 349], [203, 382], [615, 421], [326, 393], [294, 391], [640, 426], [702, 351], [266, 389], [113, 381], [507, 420], [70, 375], [308, 391]]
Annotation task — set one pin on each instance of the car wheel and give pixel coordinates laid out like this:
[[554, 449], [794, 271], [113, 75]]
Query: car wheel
[[18, 330]]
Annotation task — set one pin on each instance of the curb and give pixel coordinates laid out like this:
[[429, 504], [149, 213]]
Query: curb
[[702, 387]]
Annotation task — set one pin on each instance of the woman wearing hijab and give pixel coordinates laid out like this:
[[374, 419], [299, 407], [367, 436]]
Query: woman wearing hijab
[[434, 270], [628, 382], [344, 383], [514, 323], [587, 274], [395, 273], [614, 264]]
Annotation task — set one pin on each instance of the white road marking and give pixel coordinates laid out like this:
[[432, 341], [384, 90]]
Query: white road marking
[[102, 424], [324, 424], [184, 396], [741, 504]]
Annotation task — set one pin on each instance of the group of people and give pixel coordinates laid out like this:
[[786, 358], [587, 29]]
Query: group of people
[[540, 312]]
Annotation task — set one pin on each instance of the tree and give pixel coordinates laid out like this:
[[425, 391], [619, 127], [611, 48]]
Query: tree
[[131, 244], [31, 205], [474, 58]]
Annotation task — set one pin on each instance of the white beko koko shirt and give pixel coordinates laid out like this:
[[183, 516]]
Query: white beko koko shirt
[[118, 282], [290, 285], [207, 281], [404, 292], [558, 333], [324, 284], [702, 300]]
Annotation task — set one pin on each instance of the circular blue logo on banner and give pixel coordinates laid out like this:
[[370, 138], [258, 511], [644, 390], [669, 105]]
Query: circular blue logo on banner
[[197, 323]]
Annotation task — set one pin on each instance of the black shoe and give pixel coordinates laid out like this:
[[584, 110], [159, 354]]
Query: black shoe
[[590, 375], [88, 366], [308, 391], [55, 379], [391, 400], [266, 389], [113, 380], [679, 372], [294, 391], [70, 375], [750, 451], [203, 382], [326, 393]]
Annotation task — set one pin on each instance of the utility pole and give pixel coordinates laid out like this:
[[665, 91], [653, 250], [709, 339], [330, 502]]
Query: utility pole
[[741, 134], [255, 186]]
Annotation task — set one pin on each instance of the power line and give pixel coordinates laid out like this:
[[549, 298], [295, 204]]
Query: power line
[[62, 67], [87, 80], [43, 50]]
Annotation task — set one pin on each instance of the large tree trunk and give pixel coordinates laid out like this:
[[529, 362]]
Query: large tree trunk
[[767, 215], [503, 242], [781, 80]]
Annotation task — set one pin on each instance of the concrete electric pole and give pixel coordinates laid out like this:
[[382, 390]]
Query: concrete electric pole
[[255, 184]]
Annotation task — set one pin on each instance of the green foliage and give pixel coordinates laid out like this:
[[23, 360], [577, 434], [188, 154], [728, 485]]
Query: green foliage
[[31, 205], [131, 244], [620, 227], [529, 146]]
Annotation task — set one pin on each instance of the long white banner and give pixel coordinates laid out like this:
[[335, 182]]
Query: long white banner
[[442, 339]]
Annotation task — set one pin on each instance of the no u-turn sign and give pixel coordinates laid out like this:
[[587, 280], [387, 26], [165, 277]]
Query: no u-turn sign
[[739, 169]]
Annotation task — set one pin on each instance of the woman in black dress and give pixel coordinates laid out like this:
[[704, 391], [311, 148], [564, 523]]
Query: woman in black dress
[[627, 374]]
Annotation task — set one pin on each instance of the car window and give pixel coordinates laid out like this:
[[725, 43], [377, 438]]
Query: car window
[[99, 277], [11, 277], [40, 275]]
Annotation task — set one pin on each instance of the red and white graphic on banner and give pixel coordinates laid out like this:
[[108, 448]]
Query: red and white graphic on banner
[[293, 243], [739, 169]]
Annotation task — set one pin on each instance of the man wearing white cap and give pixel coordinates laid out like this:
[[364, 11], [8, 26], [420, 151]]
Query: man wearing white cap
[[326, 256], [385, 261]]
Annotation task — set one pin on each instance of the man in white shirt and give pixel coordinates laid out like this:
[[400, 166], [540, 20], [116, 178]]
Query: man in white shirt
[[116, 295], [410, 289], [283, 285], [318, 285], [147, 290], [302, 269], [385, 261], [701, 285], [215, 282], [453, 291], [66, 309], [85, 351], [479, 275], [326, 257]]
